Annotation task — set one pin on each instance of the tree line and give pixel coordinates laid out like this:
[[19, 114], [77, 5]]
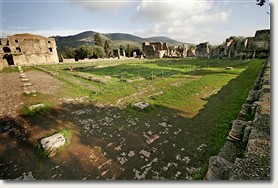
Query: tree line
[[99, 50]]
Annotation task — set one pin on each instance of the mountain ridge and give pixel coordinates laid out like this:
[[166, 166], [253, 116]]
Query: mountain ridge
[[117, 39]]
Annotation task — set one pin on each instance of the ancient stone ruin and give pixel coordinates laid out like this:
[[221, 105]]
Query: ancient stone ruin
[[246, 153], [119, 53], [203, 50], [178, 51], [52, 143], [241, 48], [27, 49], [155, 49], [234, 47]]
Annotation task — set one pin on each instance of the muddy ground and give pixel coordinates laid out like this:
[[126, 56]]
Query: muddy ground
[[107, 142]]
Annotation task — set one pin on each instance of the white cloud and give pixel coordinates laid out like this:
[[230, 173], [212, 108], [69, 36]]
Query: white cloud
[[170, 10], [101, 5], [188, 21]]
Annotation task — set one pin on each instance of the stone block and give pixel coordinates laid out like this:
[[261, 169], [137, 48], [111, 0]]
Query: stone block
[[27, 84], [22, 75], [141, 105], [245, 109], [24, 79], [53, 142], [219, 169], [247, 132], [32, 92], [36, 106], [238, 129], [252, 96]]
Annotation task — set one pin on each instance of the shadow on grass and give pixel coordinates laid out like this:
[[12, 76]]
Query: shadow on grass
[[110, 143]]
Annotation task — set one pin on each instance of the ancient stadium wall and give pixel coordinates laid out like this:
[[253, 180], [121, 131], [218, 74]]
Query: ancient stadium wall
[[246, 153]]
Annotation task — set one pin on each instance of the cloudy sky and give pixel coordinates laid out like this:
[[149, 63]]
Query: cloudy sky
[[183, 20]]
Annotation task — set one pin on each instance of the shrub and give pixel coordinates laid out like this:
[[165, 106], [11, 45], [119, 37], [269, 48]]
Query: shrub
[[98, 52]]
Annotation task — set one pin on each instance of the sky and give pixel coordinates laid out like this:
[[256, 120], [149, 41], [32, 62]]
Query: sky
[[192, 21]]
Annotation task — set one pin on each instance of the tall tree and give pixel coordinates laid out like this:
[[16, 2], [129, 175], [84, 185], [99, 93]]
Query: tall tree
[[82, 52], [68, 52], [98, 39], [107, 47], [98, 52]]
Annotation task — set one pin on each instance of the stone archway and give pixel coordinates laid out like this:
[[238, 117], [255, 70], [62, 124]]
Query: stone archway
[[8, 56]]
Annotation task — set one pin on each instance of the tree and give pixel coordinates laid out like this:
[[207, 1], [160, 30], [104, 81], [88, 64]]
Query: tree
[[107, 47], [128, 50], [68, 52], [261, 2], [98, 52], [82, 52], [98, 39]]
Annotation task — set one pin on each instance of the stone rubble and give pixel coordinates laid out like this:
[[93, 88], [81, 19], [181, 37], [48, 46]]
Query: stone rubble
[[26, 176]]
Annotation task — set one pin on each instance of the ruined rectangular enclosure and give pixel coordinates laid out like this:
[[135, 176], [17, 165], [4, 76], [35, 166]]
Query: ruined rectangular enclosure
[[27, 49]]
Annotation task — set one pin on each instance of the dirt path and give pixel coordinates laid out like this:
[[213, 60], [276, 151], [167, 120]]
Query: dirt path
[[11, 94]]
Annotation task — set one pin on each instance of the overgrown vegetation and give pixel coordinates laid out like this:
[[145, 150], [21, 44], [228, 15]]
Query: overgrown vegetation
[[37, 108]]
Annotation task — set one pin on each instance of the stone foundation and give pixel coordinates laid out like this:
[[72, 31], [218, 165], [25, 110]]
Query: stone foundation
[[246, 153]]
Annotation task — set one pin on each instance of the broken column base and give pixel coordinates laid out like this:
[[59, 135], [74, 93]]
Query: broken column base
[[141, 105], [52, 143]]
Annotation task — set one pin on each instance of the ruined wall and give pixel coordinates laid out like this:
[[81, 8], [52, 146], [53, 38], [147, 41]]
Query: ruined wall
[[234, 47], [155, 49], [191, 52], [238, 47], [246, 153], [203, 50], [178, 51], [27, 49], [250, 47], [119, 53], [260, 44]]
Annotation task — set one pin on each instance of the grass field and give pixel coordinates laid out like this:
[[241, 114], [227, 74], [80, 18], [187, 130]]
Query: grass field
[[193, 103], [180, 84]]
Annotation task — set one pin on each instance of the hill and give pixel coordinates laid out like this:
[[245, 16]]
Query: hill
[[169, 41], [117, 39]]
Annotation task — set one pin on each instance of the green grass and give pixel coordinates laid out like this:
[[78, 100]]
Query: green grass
[[26, 111], [11, 69], [204, 77], [227, 109]]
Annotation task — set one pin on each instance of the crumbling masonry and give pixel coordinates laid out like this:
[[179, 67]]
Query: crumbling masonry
[[246, 153], [234, 47], [155, 49], [27, 49]]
